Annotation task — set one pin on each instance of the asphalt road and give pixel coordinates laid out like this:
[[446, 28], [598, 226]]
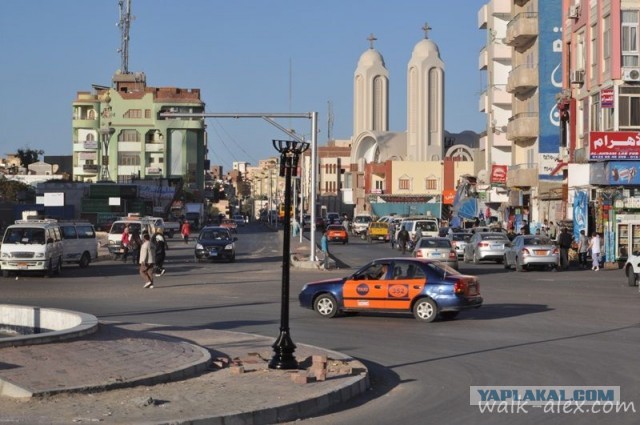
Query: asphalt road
[[576, 328]]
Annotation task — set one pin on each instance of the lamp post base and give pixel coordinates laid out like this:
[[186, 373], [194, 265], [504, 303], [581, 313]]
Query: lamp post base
[[283, 349]]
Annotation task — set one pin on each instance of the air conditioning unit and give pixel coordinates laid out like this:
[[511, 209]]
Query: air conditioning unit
[[631, 74], [577, 77], [574, 11]]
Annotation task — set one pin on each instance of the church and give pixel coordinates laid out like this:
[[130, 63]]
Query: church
[[407, 172]]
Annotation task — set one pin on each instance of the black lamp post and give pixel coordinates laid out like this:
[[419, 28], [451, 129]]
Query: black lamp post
[[284, 347]]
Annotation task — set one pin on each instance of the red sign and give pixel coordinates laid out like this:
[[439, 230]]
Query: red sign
[[606, 98], [614, 145], [498, 174], [448, 195]]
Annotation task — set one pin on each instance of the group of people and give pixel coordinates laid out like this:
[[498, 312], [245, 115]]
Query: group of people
[[584, 245], [146, 250]]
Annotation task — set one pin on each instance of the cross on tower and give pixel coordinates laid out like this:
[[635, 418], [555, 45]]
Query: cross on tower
[[371, 39], [426, 28]]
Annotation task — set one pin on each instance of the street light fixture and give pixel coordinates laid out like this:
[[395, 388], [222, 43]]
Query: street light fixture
[[284, 347]]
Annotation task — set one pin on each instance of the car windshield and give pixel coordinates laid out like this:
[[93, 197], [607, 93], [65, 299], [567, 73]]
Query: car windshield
[[214, 234], [461, 237], [427, 226], [435, 243], [335, 228], [24, 235]]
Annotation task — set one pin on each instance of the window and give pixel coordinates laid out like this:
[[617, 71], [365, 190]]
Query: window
[[404, 184], [133, 113], [147, 113], [606, 44], [580, 57], [432, 183], [594, 116], [629, 38], [629, 108], [128, 158], [379, 184], [128, 136], [593, 52]]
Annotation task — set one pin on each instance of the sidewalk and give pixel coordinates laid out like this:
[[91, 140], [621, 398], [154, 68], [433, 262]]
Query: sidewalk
[[117, 375]]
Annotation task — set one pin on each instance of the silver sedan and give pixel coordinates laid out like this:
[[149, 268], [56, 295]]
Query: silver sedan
[[439, 249], [486, 246], [528, 251]]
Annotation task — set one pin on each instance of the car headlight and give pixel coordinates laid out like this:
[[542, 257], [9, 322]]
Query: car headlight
[[5, 255], [39, 255], [229, 246], [199, 246]]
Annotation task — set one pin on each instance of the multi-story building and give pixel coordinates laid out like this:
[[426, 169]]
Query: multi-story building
[[495, 101], [601, 124], [119, 133]]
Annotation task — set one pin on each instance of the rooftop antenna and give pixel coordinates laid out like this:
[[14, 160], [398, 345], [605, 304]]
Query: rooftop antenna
[[124, 23], [330, 120]]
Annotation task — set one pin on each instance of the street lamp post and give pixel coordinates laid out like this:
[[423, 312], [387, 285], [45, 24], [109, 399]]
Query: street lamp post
[[106, 133], [284, 347]]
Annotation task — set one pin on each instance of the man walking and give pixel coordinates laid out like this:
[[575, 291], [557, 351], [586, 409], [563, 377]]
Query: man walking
[[160, 246], [147, 260], [583, 248], [594, 246], [564, 240], [324, 247], [403, 239]]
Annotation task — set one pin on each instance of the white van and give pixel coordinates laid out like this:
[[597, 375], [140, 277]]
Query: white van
[[135, 224], [32, 245], [80, 245], [429, 227]]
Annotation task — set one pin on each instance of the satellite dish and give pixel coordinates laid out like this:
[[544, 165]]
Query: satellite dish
[[55, 167]]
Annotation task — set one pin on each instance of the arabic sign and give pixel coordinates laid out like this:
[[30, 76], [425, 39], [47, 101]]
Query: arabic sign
[[606, 98], [614, 145], [498, 175]]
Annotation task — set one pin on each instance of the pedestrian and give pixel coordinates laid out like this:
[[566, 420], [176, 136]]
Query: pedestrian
[[594, 246], [147, 260], [134, 246], [124, 244], [564, 240], [324, 247], [160, 247], [583, 248], [403, 239], [392, 234], [345, 222], [526, 230], [185, 231], [418, 234], [553, 231]]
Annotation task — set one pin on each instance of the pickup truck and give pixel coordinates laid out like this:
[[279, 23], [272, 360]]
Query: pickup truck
[[378, 231]]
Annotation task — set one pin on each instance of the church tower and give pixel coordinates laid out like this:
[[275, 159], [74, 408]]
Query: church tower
[[371, 92], [425, 102]]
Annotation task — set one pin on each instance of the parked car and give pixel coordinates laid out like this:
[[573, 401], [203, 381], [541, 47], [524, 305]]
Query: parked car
[[528, 251], [337, 233], [333, 218], [135, 224], [428, 289], [215, 243], [439, 249], [239, 219], [32, 246], [632, 269], [378, 231], [459, 241], [486, 246]]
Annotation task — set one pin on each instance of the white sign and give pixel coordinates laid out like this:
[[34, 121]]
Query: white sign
[[54, 199], [114, 202]]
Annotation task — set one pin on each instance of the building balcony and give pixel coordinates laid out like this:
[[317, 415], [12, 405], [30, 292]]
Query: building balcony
[[483, 59], [153, 171], [499, 52], [522, 78], [483, 17], [154, 147], [522, 176], [484, 103], [500, 96], [129, 147], [522, 29], [500, 7], [86, 170], [523, 126]]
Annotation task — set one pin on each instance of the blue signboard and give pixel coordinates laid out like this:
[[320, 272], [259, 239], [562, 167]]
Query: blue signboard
[[550, 77], [580, 208], [623, 173]]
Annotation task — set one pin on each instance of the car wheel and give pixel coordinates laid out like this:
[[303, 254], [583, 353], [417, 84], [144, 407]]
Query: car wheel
[[506, 263], [232, 259], [326, 306], [425, 310], [449, 315], [632, 278], [476, 259], [85, 260]]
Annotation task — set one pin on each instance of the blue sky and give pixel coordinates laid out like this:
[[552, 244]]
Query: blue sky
[[245, 56]]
